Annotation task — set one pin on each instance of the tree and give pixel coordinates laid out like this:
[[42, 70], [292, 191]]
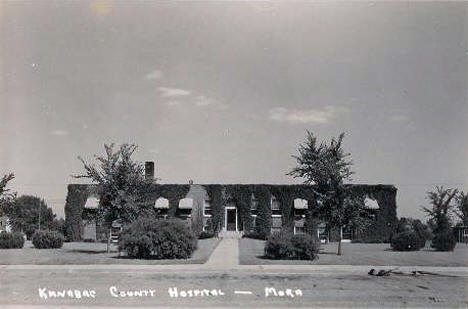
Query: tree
[[6, 196], [461, 209], [326, 166], [24, 215], [441, 201], [121, 184]]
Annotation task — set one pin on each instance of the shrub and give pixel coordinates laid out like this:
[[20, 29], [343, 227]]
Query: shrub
[[204, 235], [291, 247], [45, 239], [256, 235], [11, 240], [406, 241], [444, 241], [147, 238]]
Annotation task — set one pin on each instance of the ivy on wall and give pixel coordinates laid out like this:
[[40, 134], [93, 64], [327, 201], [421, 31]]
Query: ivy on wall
[[263, 222], [215, 193], [76, 199], [383, 226]]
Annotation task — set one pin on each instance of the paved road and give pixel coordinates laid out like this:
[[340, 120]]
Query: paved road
[[221, 282], [327, 287]]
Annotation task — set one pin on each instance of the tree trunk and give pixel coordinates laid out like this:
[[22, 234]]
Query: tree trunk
[[108, 240], [339, 240]]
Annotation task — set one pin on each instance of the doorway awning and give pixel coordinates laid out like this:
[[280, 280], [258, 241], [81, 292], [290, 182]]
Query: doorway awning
[[92, 202], [300, 203], [161, 203], [186, 203], [371, 203]]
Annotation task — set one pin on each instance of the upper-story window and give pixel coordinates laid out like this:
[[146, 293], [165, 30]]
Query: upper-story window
[[253, 205], [207, 208], [275, 204]]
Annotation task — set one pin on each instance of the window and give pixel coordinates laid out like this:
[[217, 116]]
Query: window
[[276, 222], [299, 230], [207, 208], [275, 204], [253, 205]]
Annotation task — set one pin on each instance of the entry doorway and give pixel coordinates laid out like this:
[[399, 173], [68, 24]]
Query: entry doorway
[[230, 219]]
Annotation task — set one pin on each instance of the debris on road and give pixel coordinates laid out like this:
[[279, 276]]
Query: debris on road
[[383, 272]]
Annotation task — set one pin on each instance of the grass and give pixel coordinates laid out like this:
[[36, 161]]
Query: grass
[[251, 253], [93, 253]]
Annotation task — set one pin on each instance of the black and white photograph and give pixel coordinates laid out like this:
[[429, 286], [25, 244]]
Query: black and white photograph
[[233, 154]]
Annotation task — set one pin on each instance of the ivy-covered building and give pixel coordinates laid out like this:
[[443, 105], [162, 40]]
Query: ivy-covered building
[[244, 208]]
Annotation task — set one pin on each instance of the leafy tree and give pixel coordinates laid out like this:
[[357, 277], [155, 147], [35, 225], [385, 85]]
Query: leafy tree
[[326, 165], [121, 184], [6, 196], [461, 209], [24, 215], [441, 200]]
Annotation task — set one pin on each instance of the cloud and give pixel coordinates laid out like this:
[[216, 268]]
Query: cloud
[[173, 103], [156, 74], [167, 92], [398, 118], [59, 132], [204, 101], [297, 116]]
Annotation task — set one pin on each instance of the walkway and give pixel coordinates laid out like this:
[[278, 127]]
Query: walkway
[[226, 255]]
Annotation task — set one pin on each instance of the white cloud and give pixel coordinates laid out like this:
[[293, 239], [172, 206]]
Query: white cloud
[[297, 116], [59, 132], [398, 118], [156, 74], [173, 103], [204, 101], [167, 92]]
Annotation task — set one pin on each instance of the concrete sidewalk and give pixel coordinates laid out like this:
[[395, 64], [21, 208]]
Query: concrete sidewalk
[[226, 255], [245, 269]]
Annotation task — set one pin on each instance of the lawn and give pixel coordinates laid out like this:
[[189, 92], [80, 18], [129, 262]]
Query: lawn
[[93, 253], [251, 252]]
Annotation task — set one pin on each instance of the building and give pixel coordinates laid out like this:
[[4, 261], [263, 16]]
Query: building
[[242, 208], [5, 224]]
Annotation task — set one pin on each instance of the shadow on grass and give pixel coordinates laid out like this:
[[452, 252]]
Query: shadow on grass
[[89, 251]]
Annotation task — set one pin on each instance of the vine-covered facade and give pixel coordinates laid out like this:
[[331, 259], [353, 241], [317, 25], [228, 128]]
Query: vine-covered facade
[[247, 208]]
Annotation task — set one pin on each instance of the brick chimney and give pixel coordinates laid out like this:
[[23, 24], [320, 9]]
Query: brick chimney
[[149, 170]]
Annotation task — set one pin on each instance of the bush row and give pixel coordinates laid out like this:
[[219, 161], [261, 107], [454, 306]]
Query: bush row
[[44, 239], [161, 239], [291, 247], [11, 240]]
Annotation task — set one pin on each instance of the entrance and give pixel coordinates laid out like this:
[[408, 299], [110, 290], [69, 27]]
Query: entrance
[[231, 219]]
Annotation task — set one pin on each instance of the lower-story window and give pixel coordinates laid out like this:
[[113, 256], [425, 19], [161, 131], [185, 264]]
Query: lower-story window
[[299, 230], [276, 222]]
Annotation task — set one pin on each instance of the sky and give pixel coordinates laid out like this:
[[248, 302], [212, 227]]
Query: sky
[[223, 92]]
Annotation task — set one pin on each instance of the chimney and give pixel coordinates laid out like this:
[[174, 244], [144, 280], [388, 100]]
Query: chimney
[[149, 170]]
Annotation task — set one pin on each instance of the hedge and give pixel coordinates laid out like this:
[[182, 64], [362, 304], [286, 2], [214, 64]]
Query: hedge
[[13, 240]]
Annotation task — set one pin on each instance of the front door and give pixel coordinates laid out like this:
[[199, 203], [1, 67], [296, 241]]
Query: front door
[[231, 219]]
